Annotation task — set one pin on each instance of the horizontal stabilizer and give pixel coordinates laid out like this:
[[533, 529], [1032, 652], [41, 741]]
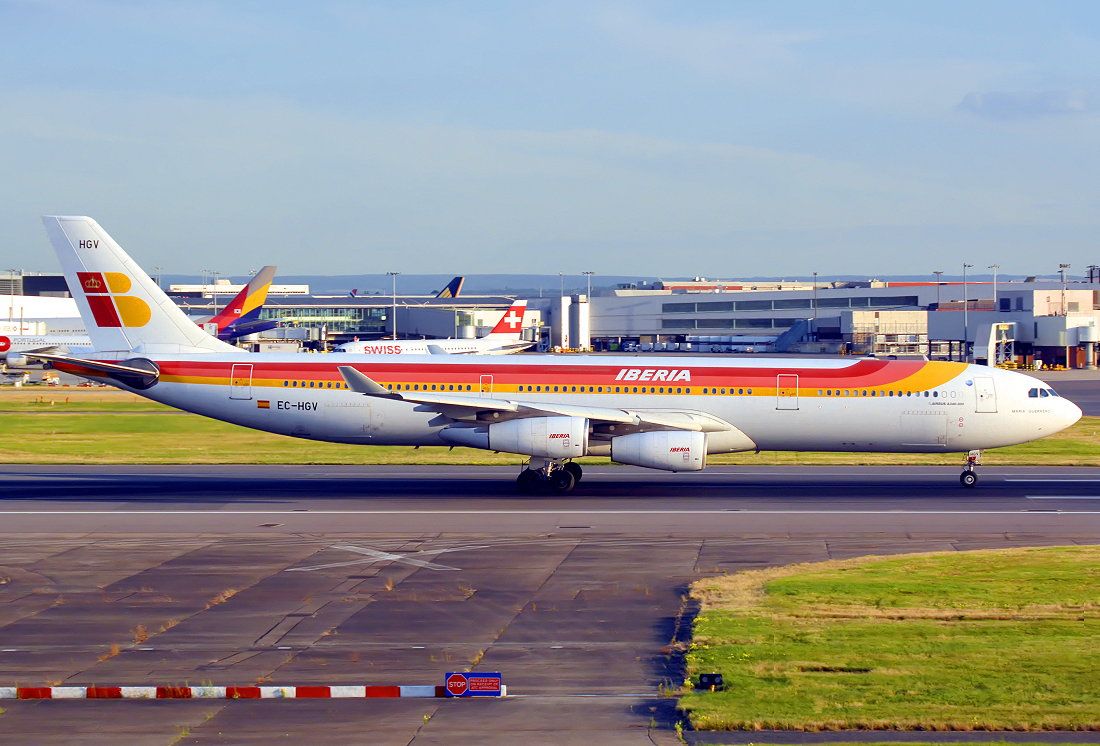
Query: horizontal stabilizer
[[139, 374]]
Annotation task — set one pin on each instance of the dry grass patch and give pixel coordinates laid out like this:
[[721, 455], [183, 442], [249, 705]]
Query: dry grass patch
[[222, 597]]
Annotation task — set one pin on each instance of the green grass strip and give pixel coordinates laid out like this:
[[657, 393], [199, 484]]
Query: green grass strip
[[66, 428], [985, 640]]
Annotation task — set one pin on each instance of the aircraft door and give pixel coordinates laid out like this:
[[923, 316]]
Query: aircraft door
[[375, 420], [986, 394], [786, 391], [240, 381], [485, 386]]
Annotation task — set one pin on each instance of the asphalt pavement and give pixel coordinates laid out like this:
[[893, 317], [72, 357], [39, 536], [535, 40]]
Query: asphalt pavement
[[395, 575]]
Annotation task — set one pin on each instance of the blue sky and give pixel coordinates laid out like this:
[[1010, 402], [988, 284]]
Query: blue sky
[[720, 138]]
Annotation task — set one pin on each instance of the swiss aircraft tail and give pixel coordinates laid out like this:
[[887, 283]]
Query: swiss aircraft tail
[[454, 287], [510, 325], [123, 309]]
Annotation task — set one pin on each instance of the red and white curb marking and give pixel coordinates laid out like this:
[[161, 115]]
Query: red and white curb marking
[[221, 692]]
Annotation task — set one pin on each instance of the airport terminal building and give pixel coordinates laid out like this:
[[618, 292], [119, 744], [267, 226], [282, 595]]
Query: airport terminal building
[[1018, 321]]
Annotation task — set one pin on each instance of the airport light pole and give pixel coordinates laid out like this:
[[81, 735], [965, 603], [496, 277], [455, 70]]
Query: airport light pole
[[393, 310], [1062, 270], [588, 275], [939, 282], [966, 316], [214, 293], [561, 283], [813, 331], [995, 267], [11, 293]]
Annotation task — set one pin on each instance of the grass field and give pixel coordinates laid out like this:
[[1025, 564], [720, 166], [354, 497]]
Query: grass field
[[83, 425], [985, 640]]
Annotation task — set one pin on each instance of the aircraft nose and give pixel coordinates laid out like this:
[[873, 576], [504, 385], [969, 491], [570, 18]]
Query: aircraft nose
[[1070, 412]]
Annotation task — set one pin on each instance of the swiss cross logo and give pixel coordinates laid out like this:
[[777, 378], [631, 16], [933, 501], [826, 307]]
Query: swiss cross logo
[[512, 321]]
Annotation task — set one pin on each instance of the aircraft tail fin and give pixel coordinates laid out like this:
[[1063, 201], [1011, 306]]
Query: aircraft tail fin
[[454, 287], [123, 309], [511, 323], [247, 304]]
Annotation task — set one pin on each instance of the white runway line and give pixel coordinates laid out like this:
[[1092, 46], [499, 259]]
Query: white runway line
[[1063, 497]]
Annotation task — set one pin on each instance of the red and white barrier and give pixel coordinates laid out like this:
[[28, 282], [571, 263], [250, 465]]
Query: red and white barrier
[[220, 692]]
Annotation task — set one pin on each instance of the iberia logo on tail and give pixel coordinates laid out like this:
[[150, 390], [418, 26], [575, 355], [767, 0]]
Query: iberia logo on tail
[[110, 306]]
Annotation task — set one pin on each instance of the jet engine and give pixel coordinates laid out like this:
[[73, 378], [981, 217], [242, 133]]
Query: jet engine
[[545, 437], [16, 360], [670, 450]]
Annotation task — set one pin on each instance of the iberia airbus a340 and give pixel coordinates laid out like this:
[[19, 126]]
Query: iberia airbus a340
[[659, 413]]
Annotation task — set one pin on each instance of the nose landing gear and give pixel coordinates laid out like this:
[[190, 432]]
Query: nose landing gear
[[553, 476], [969, 476]]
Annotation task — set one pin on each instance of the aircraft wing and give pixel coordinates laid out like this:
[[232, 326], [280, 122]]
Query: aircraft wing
[[478, 408]]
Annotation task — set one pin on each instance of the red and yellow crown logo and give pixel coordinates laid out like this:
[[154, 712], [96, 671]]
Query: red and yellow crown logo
[[110, 306]]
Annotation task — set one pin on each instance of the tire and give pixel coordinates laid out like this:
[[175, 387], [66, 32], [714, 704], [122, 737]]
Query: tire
[[968, 479], [561, 482], [574, 469], [529, 481]]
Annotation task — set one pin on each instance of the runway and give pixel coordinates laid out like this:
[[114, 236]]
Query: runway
[[382, 575]]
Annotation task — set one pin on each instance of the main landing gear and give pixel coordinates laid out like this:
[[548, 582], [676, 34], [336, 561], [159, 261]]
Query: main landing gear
[[553, 476], [969, 477]]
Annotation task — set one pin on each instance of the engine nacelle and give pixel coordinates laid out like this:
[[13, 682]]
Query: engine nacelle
[[670, 450], [546, 437], [16, 360]]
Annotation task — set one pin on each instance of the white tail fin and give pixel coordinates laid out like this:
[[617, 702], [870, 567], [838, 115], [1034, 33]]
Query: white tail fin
[[510, 325], [123, 309]]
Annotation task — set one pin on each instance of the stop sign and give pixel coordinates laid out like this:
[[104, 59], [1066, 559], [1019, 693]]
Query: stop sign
[[456, 685]]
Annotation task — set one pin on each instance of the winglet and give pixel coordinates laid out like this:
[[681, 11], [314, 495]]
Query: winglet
[[360, 383]]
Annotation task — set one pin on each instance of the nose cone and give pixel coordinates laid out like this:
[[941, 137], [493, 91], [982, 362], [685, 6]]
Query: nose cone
[[1068, 413]]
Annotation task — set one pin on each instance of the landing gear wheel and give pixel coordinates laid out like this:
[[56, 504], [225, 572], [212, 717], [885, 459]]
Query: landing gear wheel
[[968, 479], [575, 469], [561, 481], [529, 480]]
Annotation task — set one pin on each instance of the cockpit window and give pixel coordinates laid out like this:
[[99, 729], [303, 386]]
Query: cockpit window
[[1033, 393], [1043, 393]]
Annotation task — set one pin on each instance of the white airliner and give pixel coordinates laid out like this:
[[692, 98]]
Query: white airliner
[[659, 414], [503, 339]]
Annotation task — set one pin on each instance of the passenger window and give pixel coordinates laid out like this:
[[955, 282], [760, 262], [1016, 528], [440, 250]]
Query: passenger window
[[935, 394], [750, 392], [312, 384]]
